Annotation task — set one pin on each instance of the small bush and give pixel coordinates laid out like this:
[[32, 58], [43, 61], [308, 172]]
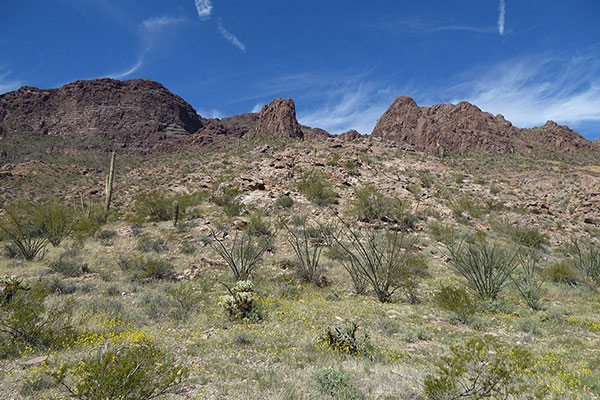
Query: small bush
[[481, 368], [561, 272], [154, 206], [258, 225], [528, 280], [317, 188], [284, 202], [346, 338], [442, 233], [138, 370], [457, 301], [336, 383], [586, 259], [228, 199], [59, 286], [487, 268], [54, 221], [308, 244], [17, 226], [144, 268], [383, 259], [69, 264], [29, 317], [528, 237], [242, 302], [371, 205], [158, 245], [243, 254]]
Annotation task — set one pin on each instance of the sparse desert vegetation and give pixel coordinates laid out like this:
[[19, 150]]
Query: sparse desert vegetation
[[375, 282]]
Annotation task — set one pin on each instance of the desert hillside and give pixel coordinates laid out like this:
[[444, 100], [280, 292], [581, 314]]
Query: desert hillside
[[449, 254]]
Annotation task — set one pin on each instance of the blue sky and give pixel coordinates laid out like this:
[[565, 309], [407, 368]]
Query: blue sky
[[343, 62]]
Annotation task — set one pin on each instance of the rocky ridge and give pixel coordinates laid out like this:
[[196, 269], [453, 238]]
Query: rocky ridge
[[130, 110], [453, 128]]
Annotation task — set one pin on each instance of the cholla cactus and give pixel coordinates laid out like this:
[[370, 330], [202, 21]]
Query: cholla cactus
[[11, 287], [241, 303]]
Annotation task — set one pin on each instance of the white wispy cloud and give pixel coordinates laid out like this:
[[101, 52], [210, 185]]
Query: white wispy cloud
[[152, 24], [204, 8], [358, 107], [150, 32], [7, 83], [134, 68], [213, 113], [257, 107], [501, 16], [420, 26], [531, 90], [231, 37]]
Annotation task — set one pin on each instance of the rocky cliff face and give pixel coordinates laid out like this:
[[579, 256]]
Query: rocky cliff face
[[455, 128], [128, 110], [558, 138], [449, 127], [278, 118]]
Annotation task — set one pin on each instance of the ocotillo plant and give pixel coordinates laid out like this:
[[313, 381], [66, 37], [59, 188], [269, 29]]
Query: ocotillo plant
[[109, 185], [175, 212]]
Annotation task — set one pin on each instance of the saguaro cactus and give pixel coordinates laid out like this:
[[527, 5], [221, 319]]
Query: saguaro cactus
[[109, 185], [175, 212]]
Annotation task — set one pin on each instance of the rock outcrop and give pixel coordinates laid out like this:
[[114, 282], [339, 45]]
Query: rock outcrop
[[350, 135], [278, 119], [455, 128], [132, 110], [558, 138], [445, 127]]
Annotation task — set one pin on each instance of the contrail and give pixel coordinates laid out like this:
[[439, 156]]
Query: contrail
[[502, 12]]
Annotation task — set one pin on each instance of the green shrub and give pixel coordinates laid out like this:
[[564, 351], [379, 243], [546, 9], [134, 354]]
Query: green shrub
[[308, 244], [10, 287], [144, 268], [17, 226], [228, 199], [442, 233], [487, 268], [528, 236], [372, 205], [57, 285], [135, 371], [317, 188], [383, 259], [258, 225], [457, 301], [154, 206], [586, 259], [481, 368], [528, 279], [346, 338], [28, 317], [336, 383], [561, 272], [242, 302], [54, 221], [244, 252], [284, 202], [91, 218], [158, 245], [69, 263]]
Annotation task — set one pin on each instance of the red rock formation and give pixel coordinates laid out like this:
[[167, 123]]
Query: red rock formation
[[558, 138], [350, 135], [278, 118], [449, 127], [128, 110]]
